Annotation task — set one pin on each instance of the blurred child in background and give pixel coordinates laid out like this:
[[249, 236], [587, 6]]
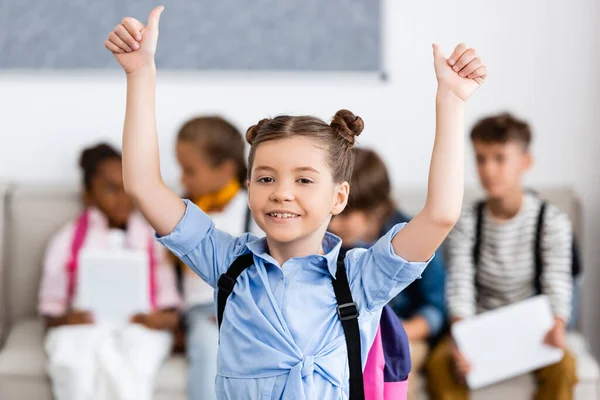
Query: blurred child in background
[[100, 360], [501, 269], [370, 213], [210, 151]]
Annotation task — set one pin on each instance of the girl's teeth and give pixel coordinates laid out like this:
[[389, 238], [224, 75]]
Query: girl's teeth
[[283, 215]]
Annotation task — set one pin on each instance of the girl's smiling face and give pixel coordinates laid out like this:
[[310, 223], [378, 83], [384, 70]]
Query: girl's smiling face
[[292, 193]]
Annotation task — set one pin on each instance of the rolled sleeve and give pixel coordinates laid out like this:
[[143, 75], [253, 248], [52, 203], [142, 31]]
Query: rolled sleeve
[[189, 232], [205, 249], [378, 274], [394, 266]]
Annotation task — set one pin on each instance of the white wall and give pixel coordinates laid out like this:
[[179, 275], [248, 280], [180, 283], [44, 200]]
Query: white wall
[[543, 65]]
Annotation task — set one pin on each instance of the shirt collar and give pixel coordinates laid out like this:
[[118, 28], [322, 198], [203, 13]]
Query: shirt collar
[[331, 246]]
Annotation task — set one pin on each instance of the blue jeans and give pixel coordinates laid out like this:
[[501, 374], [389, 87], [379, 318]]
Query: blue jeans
[[202, 343]]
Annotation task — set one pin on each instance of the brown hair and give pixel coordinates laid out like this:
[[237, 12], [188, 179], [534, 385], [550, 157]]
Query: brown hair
[[370, 187], [91, 158], [339, 138], [502, 128], [218, 140]]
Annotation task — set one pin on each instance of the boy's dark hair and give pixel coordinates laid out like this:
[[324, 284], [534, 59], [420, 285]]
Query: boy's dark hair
[[370, 186], [92, 157], [502, 128], [218, 140]]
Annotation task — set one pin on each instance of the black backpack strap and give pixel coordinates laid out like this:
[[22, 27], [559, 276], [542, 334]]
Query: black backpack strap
[[228, 280], [538, 249], [576, 268], [247, 220], [478, 232], [348, 313], [179, 271], [575, 257]]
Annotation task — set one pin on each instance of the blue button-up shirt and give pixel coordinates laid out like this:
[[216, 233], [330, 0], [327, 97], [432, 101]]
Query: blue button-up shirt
[[281, 336]]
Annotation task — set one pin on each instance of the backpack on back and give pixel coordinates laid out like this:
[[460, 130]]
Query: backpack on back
[[388, 362], [576, 268]]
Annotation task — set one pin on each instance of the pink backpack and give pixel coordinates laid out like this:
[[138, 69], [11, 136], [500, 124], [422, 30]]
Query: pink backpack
[[388, 362]]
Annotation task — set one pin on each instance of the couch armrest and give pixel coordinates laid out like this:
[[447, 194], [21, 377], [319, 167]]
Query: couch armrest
[[4, 190]]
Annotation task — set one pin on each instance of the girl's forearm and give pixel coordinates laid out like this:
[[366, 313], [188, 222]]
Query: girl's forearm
[[161, 207], [446, 173], [141, 168]]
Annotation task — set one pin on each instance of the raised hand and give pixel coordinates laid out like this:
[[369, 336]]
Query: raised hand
[[134, 44], [460, 74]]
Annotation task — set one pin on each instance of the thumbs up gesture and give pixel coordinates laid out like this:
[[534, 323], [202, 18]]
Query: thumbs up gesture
[[460, 74], [134, 44]]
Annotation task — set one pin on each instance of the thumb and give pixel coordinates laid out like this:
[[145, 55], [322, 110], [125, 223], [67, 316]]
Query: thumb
[[438, 55], [154, 18]]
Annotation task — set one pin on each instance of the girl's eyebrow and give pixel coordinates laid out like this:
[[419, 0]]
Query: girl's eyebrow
[[299, 169], [309, 169], [264, 168]]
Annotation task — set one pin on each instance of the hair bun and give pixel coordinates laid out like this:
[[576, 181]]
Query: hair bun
[[347, 125], [253, 131]]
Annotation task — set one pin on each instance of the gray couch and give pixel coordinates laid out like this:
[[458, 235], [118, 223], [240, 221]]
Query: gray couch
[[32, 213]]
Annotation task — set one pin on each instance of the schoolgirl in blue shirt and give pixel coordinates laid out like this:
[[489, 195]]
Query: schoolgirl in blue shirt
[[281, 336]]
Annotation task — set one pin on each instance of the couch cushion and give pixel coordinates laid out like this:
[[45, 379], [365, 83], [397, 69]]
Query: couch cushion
[[172, 377], [34, 214], [23, 354], [3, 310], [587, 367], [22, 361]]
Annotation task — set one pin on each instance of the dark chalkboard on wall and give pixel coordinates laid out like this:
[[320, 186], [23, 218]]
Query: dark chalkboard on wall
[[283, 35]]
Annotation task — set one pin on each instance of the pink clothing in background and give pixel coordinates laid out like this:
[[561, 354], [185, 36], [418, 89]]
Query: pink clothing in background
[[53, 296]]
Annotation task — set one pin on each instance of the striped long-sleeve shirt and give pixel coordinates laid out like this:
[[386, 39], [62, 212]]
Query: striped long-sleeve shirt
[[506, 270]]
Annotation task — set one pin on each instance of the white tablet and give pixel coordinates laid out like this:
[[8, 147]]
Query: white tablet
[[113, 284], [507, 342]]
